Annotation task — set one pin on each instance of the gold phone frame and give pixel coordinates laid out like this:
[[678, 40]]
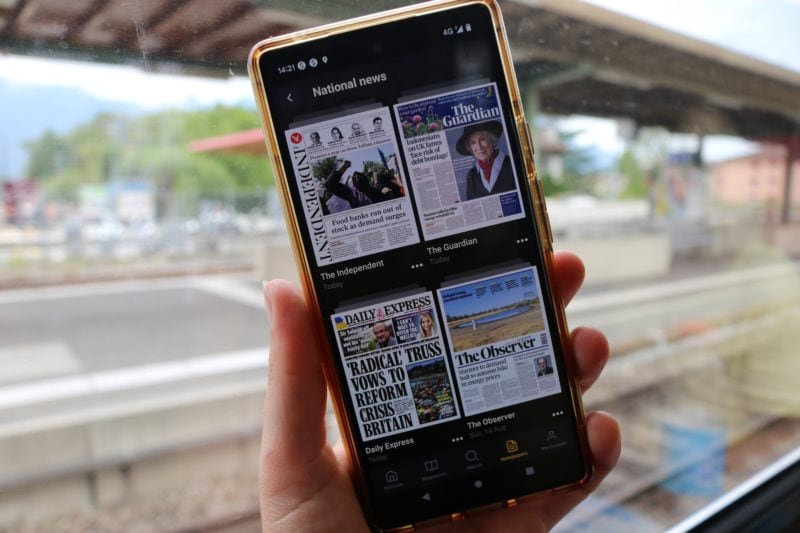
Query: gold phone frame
[[542, 224]]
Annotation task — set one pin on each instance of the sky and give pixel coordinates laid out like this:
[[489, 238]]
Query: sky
[[768, 30], [124, 83], [765, 29]]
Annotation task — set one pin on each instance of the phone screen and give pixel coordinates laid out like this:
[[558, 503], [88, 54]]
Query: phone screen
[[409, 190]]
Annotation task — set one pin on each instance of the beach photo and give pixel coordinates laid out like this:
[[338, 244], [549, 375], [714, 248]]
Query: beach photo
[[492, 309]]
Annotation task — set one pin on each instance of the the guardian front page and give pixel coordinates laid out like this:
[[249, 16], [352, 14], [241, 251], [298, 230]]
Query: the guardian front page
[[456, 148]]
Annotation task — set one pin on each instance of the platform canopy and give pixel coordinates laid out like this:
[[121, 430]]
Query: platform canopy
[[572, 58]]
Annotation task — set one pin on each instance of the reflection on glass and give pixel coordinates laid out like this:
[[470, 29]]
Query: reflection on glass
[[138, 216]]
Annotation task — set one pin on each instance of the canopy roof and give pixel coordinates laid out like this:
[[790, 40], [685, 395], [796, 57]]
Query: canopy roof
[[576, 58]]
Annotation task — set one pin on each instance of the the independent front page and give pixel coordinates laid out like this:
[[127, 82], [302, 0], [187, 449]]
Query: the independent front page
[[352, 186]]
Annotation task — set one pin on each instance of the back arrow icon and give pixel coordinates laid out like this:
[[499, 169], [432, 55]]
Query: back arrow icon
[[289, 97]]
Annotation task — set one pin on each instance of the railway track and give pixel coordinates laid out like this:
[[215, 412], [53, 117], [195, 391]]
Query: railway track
[[716, 357]]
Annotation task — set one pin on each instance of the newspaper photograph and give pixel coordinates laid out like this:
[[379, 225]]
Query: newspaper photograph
[[352, 186], [397, 371], [498, 332], [456, 149]]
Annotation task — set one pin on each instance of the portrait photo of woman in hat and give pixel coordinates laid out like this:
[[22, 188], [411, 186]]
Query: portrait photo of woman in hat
[[492, 172]]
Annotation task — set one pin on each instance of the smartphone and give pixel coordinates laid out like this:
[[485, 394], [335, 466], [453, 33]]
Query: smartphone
[[406, 171]]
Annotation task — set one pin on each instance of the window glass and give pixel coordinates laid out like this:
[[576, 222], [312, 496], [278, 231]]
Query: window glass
[[139, 216]]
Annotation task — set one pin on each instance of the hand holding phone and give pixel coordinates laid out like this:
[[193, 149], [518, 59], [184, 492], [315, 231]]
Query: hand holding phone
[[423, 243], [306, 485]]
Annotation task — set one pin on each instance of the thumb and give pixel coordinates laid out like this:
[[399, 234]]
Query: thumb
[[294, 406]]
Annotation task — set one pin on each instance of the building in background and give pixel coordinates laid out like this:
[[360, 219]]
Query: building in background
[[19, 201], [756, 178]]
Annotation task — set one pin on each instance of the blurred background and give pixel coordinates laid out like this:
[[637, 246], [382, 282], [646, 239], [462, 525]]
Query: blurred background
[[138, 216]]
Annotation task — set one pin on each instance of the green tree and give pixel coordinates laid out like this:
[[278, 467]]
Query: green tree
[[321, 169], [552, 187], [218, 120], [636, 178], [48, 156], [204, 174], [578, 165], [373, 168], [643, 161], [250, 172], [94, 148], [152, 148]]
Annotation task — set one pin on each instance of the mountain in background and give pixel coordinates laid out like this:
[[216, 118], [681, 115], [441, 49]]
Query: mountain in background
[[28, 111]]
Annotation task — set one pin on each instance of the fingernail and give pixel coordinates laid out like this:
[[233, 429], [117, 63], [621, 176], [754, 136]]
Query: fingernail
[[267, 300]]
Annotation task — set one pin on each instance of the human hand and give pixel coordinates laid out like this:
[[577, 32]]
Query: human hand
[[306, 485]]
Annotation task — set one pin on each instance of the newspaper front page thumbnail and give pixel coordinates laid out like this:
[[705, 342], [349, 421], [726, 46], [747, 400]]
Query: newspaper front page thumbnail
[[456, 148], [352, 186], [396, 366], [498, 332]]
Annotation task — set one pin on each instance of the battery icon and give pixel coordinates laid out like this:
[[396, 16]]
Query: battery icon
[[469, 28]]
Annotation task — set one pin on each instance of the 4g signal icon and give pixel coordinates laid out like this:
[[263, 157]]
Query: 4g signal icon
[[452, 30]]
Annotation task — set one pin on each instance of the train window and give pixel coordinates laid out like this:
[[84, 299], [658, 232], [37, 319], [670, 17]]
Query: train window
[[139, 216]]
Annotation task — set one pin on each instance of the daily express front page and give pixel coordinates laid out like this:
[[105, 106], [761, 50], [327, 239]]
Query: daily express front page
[[352, 186], [396, 366]]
